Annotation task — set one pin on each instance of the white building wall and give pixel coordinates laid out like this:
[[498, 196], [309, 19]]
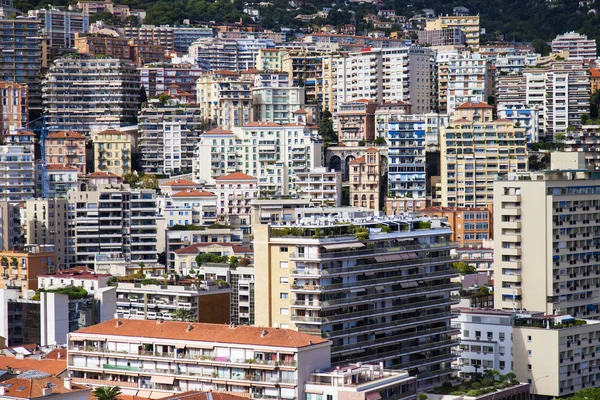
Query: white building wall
[[54, 313]]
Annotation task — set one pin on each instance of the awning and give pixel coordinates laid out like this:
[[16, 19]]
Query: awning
[[167, 380], [357, 290], [180, 346], [422, 369], [380, 289], [343, 246], [313, 391], [156, 395], [380, 258], [406, 285], [373, 396], [143, 393], [370, 273], [412, 255], [200, 346]]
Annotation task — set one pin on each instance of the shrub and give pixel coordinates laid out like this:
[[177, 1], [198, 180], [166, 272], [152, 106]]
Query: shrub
[[447, 385], [476, 385]]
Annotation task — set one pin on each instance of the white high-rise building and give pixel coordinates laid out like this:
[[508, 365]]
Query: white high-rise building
[[387, 75], [577, 45], [467, 80], [17, 175]]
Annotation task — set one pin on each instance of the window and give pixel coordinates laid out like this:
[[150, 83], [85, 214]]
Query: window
[[490, 335], [501, 336], [478, 334], [466, 333], [528, 353], [284, 311], [502, 364], [284, 279], [501, 350], [529, 338], [283, 264], [283, 296], [528, 367], [283, 249]]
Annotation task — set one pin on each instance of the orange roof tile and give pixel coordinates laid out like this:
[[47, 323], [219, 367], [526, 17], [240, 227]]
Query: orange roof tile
[[372, 149], [225, 72], [470, 104], [218, 131], [56, 354], [194, 193], [235, 176], [111, 131], [262, 124], [180, 182], [594, 73], [21, 132], [300, 112], [66, 135], [61, 167], [33, 388], [205, 396], [359, 160], [193, 248], [102, 174], [52, 367], [199, 332]]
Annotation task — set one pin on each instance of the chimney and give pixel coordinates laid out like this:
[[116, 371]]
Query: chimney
[[118, 324], [2, 390], [68, 385], [47, 390], [264, 333]]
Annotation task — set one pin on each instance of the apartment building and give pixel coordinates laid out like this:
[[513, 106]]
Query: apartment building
[[215, 54], [182, 356], [89, 7], [406, 166], [475, 149], [585, 140], [342, 288], [67, 147], [10, 215], [576, 45], [442, 37], [469, 25], [277, 104], [22, 138], [235, 192], [17, 175], [113, 151], [97, 179], [167, 137], [14, 107], [159, 301], [321, 186], [270, 59], [365, 177], [38, 386], [163, 36], [556, 354], [186, 264], [467, 80], [108, 220], [61, 179], [225, 98], [22, 267], [139, 52], [157, 78], [81, 93], [560, 91], [316, 71], [523, 116], [45, 222], [191, 207], [270, 152], [60, 26], [514, 62], [387, 75], [486, 341], [470, 226], [22, 36], [561, 275], [356, 122]]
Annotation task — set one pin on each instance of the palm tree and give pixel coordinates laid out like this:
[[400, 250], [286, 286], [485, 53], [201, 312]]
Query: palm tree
[[142, 265], [107, 392], [184, 315]]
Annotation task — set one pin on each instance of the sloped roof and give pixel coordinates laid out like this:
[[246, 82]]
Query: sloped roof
[[236, 176], [194, 193]]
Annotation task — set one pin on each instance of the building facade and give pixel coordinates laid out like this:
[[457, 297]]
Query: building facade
[[67, 148], [113, 151]]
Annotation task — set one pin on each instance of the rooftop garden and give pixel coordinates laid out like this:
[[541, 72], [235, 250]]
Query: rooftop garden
[[199, 227], [341, 229], [74, 292], [479, 384], [548, 323]]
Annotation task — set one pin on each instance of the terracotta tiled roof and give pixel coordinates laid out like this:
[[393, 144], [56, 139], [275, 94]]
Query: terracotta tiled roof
[[21, 132], [205, 396], [52, 367], [32, 388], [218, 131], [594, 73], [300, 112], [225, 72], [111, 131], [372, 149], [470, 104], [66, 135], [235, 176], [262, 124], [212, 333], [180, 182], [103, 175], [359, 160], [194, 193], [56, 354], [193, 249], [463, 120]]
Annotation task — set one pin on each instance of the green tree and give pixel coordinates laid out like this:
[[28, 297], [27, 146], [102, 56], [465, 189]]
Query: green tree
[[181, 314], [131, 178], [149, 181], [326, 128], [512, 377], [540, 46], [107, 392], [422, 396], [595, 104], [464, 268], [587, 394], [484, 291]]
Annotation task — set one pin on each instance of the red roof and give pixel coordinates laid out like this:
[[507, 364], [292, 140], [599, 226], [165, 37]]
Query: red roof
[[66, 135], [218, 131], [193, 248], [470, 104], [21, 132], [262, 124], [594, 73], [180, 182], [300, 112], [225, 72], [358, 160], [103, 175], [235, 176], [194, 193], [61, 167], [111, 131]]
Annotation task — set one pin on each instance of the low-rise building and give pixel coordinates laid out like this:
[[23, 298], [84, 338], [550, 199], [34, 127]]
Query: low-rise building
[[61, 179], [321, 186], [185, 258], [470, 226], [21, 268], [178, 185], [234, 193], [40, 386], [113, 151], [191, 207], [181, 356], [67, 148], [103, 179], [366, 190], [161, 300]]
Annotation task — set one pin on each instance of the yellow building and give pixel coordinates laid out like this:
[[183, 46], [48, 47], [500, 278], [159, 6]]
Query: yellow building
[[270, 59], [468, 24], [475, 149], [112, 151]]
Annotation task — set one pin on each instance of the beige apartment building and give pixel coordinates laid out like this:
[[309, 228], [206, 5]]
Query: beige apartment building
[[556, 354], [475, 149], [13, 107], [545, 251], [67, 148], [365, 180], [468, 24], [113, 150]]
